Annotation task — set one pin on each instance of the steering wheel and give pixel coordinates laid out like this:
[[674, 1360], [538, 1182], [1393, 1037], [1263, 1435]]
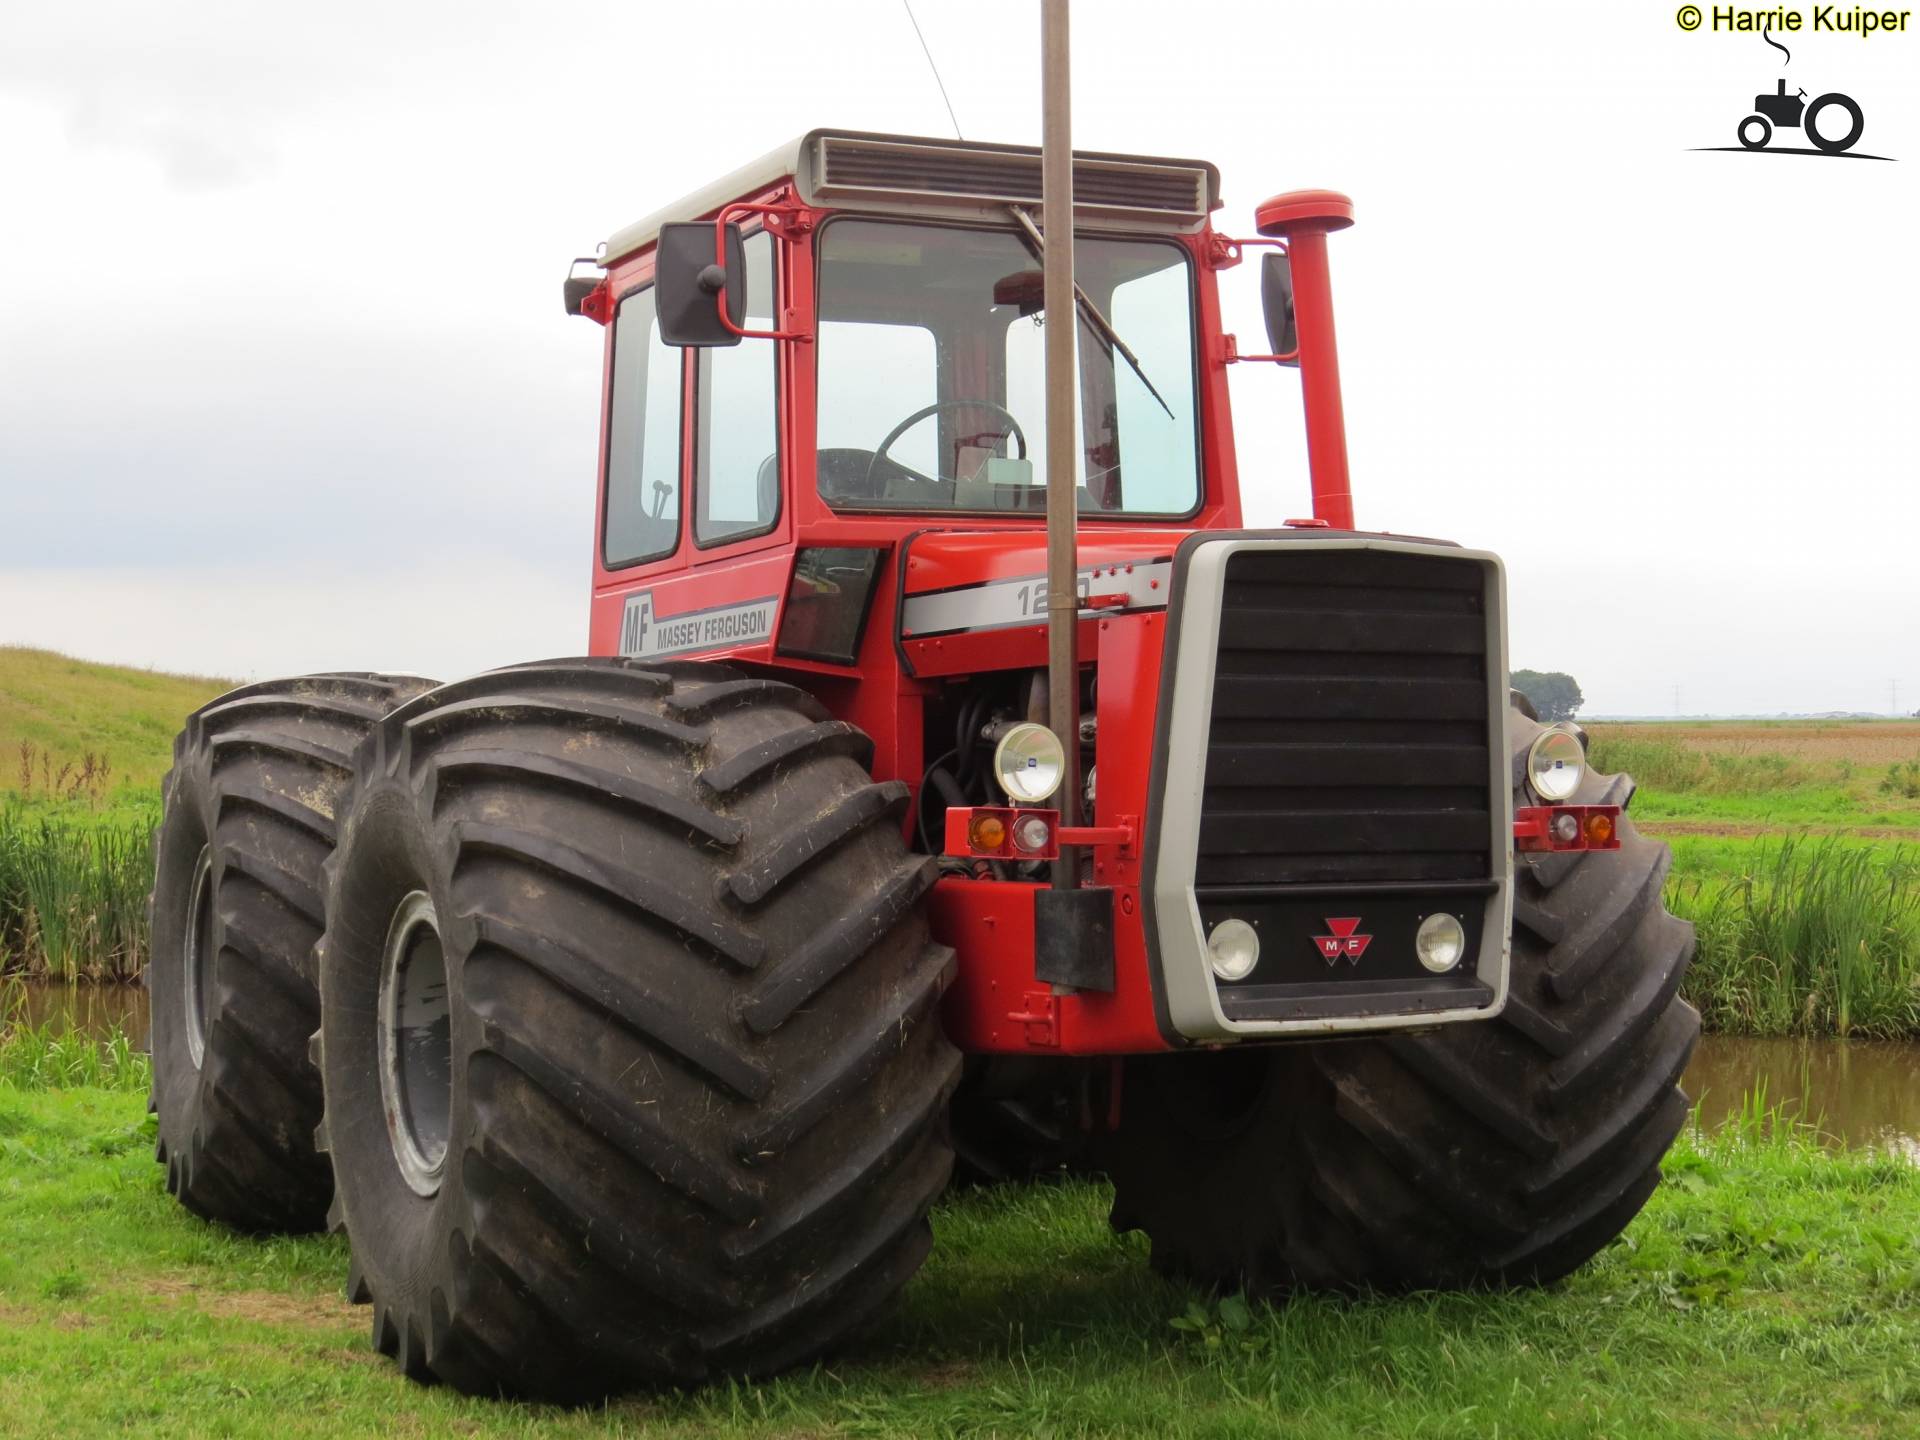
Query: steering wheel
[[1013, 429]]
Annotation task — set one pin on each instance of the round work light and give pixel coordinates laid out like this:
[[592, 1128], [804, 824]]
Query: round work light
[[1556, 763], [1233, 947], [1440, 942], [1029, 763]]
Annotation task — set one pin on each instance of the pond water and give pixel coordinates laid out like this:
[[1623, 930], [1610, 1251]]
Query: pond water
[[1858, 1092], [97, 1009]]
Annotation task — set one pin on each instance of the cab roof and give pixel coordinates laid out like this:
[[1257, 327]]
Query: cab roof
[[913, 174]]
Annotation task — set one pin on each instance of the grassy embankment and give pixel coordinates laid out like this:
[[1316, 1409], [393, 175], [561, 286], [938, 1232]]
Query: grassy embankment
[[1770, 1287]]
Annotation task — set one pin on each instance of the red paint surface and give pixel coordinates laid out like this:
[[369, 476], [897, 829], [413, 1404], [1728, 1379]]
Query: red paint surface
[[995, 1004]]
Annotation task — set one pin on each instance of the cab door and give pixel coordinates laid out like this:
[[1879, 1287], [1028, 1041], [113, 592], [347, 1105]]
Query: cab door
[[718, 589]]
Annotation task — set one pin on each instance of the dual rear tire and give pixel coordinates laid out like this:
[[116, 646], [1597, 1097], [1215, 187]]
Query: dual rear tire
[[629, 1029], [252, 804]]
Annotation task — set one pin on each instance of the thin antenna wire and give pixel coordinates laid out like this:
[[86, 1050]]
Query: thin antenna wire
[[908, 7]]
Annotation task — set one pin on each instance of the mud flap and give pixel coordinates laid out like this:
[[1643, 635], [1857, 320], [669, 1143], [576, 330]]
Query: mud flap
[[1073, 938]]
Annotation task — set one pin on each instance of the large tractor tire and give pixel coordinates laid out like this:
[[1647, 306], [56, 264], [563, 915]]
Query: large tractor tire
[[248, 820], [629, 1028], [1503, 1152]]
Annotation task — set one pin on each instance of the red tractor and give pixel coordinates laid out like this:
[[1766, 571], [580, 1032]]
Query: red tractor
[[651, 994]]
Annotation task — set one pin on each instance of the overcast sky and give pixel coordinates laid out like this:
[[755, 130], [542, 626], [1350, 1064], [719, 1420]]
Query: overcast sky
[[285, 382]]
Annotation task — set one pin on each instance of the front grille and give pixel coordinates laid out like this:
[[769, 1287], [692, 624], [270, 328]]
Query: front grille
[[852, 168], [1349, 733]]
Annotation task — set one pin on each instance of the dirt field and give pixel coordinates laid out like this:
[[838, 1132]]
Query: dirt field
[[1864, 742]]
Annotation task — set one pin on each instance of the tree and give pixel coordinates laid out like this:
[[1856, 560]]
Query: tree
[[1553, 693]]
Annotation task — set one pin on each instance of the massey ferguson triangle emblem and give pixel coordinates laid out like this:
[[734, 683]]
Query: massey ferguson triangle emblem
[[1343, 942]]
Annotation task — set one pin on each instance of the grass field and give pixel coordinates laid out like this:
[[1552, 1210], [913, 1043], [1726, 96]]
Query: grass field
[[1770, 1288], [1741, 778]]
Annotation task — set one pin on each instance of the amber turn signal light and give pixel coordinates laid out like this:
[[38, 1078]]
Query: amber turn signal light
[[986, 834]]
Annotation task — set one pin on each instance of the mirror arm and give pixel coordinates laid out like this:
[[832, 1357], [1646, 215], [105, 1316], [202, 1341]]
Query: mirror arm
[[1223, 251], [1234, 357], [720, 222]]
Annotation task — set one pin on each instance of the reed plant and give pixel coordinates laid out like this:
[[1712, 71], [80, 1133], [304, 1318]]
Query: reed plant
[[1811, 938], [73, 894]]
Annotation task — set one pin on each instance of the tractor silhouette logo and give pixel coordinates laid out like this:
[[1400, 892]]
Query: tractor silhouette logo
[[1792, 112], [1832, 122]]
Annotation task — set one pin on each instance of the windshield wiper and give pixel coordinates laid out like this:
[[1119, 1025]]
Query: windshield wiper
[[1101, 325]]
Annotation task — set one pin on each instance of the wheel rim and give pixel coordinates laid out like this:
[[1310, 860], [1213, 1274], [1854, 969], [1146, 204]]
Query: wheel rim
[[196, 956], [416, 1043]]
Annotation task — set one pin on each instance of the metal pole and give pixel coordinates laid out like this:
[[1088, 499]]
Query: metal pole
[[1063, 403]]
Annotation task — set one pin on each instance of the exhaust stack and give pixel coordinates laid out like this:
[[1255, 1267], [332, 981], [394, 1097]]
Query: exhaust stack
[[1303, 219]]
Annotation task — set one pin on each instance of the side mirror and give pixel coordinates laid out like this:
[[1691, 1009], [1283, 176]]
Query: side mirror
[[686, 280], [1276, 298], [579, 287]]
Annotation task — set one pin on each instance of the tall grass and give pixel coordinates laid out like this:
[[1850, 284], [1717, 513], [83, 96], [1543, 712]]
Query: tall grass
[[1813, 938], [1668, 765], [73, 894]]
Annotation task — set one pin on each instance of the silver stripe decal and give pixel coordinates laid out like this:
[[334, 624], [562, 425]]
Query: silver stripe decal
[[1023, 600]]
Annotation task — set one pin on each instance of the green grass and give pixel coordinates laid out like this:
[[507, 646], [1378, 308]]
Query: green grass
[[64, 710], [1769, 1288], [1826, 807]]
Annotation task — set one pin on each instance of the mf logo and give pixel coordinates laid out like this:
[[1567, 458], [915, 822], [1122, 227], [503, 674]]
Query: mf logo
[[1343, 943], [635, 622]]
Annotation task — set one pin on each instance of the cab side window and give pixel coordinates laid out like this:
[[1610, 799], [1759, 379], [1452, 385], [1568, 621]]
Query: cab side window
[[736, 458], [643, 440]]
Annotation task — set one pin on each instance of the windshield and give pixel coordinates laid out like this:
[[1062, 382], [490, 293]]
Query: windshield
[[931, 376]]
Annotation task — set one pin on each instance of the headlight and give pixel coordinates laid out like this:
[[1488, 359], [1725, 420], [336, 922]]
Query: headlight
[[1234, 948], [1440, 942], [1556, 763], [1029, 763]]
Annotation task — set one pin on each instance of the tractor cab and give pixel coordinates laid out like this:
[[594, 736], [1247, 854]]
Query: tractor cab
[[873, 369]]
